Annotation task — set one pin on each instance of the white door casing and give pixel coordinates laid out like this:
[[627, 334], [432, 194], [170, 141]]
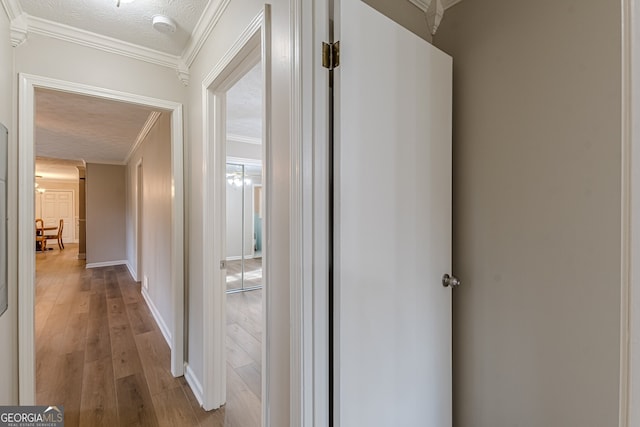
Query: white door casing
[[251, 47], [392, 331], [26, 209]]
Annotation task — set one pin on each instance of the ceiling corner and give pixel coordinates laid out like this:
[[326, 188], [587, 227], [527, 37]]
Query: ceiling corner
[[207, 22], [12, 8]]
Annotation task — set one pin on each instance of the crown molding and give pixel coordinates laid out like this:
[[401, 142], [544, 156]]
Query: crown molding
[[23, 24], [208, 20], [12, 8], [245, 139], [424, 4], [18, 31], [434, 10], [108, 44], [148, 125]]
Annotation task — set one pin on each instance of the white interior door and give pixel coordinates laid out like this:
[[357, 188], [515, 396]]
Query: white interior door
[[58, 205], [392, 225]]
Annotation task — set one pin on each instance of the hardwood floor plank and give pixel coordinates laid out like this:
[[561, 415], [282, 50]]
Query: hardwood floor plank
[[135, 406], [124, 352], [98, 406], [69, 387], [156, 358], [98, 337], [111, 284], [173, 408], [75, 336], [252, 377], [243, 408], [140, 317], [117, 313], [246, 341], [236, 355]]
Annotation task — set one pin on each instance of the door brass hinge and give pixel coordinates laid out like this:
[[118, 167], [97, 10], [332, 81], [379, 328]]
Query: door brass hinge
[[330, 55]]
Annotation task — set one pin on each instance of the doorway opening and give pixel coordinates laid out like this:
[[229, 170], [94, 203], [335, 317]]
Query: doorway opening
[[236, 200], [26, 209]]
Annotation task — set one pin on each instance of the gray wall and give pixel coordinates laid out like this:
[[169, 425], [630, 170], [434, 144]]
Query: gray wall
[[9, 320], [155, 152], [105, 185], [537, 211], [405, 13]]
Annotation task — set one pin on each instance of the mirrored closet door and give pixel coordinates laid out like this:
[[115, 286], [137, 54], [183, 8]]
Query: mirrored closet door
[[244, 214]]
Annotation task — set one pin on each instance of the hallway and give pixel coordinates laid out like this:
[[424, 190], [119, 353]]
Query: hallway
[[100, 354]]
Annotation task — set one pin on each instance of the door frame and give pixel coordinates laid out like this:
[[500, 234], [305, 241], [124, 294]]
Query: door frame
[[252, 46], [310, 387], [139, 174], [26, 258]]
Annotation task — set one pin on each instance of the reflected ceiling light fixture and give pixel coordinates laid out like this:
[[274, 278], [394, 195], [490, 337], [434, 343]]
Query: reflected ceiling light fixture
[[118, 2], [163, 24]]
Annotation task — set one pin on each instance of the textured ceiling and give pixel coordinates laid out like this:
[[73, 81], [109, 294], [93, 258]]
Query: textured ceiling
[[131, 22], [78, 127], [244, 106]]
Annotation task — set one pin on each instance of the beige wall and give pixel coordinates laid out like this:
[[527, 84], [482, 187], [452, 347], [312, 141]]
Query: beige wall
[[106, 204], [536, 211], [9, 320], [155, 153]]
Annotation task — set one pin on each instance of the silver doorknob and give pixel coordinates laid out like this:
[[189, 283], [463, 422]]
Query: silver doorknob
[[450, 281]]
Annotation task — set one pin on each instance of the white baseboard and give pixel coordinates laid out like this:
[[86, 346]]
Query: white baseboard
[[166, 333], [132, 272], [105, 264], [193, 382]]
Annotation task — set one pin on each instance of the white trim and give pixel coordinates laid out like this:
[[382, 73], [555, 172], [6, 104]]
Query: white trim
[[166, 332], [207, 22], [12, 8], [246, 139], [26, 235], [310, 303], [243, 54], [26, 256], [105, 264], [132, 271], [424, 4], [148, 125], [22, 24], [67, 33], [139, 170], [268, 185], [193, 382]]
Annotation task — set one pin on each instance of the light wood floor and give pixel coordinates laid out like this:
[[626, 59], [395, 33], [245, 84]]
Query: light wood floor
[[100, 354], [252, 273]]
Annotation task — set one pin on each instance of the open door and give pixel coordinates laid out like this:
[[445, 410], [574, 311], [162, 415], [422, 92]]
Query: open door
[[392, 235]]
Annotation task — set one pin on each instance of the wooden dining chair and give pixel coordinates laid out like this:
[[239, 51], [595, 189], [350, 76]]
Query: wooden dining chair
[[41, 239], [57, 236]]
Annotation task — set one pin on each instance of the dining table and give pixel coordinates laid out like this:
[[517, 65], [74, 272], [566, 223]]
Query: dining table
[[39, 232]]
